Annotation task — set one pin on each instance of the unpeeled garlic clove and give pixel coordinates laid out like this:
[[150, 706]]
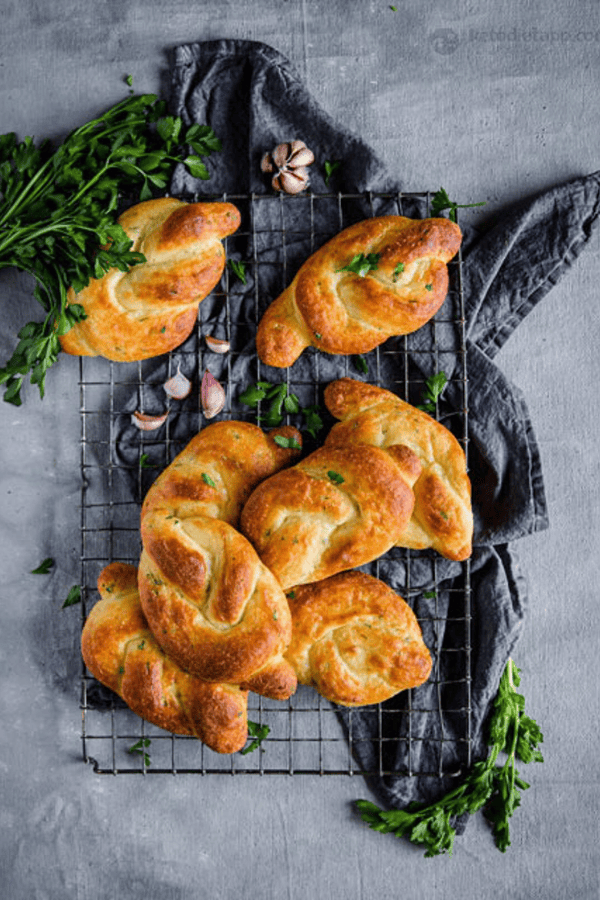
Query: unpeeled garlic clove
[[178, 386], [291, 182], [212, 395], [216, 344], [146, 422]]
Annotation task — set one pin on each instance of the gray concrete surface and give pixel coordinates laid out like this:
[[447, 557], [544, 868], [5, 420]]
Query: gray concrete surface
[[494, 101]]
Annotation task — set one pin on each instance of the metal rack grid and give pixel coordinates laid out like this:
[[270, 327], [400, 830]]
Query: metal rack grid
[[307, 733]]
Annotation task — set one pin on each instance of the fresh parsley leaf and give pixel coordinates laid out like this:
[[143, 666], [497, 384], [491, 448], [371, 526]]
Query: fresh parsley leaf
[[289, 443], [73, 597], [361, 264], [253, 395], [441, 201], [434, 386], [335, 477], [44, 567], [314, 422], [361, 364], [259, 733], [429, 595], [129, 80], [139, 748], [278, 400], [238, 268], [428, 287], [57, 213], [208, 480], [490, 786], [145, 461], [398, 270], [331, 166]]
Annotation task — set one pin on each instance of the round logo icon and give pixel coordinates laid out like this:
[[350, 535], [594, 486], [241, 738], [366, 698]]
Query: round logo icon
[[444, 41]]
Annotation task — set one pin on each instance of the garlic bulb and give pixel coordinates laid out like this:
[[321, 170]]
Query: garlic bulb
[[216, 344], [146, 422], [178, 386], [212, 395], [289, 161]]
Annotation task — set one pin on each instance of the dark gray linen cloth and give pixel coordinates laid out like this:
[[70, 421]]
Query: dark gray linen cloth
[[251, 96]]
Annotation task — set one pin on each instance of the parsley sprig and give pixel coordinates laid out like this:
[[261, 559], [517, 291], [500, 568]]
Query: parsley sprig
[[259, 733], [492, 787], [279, 400], [58, 212], [441, 201], [434, 386]]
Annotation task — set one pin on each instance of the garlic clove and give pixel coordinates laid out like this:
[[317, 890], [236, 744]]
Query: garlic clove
[[178, 386], [212, 395], [146, 422], [280, 155], [301, 157], [216, 344], [292, 182]]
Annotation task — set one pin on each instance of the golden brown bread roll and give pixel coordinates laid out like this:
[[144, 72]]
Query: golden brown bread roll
[[216, 472], [338, 508], [153, 307], [355, 640], [345, 312], [442, 517], [212, 605], [120, 651]]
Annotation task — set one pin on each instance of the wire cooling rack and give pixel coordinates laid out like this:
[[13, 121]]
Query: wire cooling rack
[[307, 734]]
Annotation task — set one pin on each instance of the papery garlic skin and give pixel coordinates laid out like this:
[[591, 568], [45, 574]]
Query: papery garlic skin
[[212, 395]]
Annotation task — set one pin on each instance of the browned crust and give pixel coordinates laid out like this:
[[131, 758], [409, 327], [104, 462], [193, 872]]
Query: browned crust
[[305, 526], [342, 312], [225, 618], [235, 456], [355, 640], [442, 517], [153, 307], [120, 651]]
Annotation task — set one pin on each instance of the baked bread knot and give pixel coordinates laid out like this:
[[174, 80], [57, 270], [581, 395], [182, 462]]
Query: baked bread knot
[[355, 640], [153, 307], [121, 652], [338, 508], [442, 517], [340, 306], [212, 605], [216, 472]]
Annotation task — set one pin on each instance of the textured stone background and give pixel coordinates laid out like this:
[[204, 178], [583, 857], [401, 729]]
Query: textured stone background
[[494, 100]]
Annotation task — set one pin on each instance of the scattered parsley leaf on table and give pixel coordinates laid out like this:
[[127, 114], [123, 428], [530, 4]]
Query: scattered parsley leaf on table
[[331, 166], [44, 567], [278, 400], [259, 733], [138, 747], [489, 786], [73, 597], [238, 268], [441, 201], [58, 212], [434, 386]]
